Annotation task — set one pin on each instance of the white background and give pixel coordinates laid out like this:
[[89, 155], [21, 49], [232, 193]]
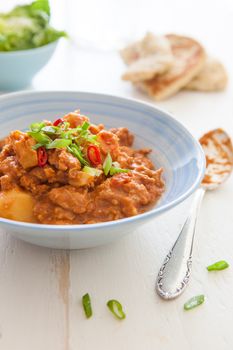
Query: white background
[[41, 289]]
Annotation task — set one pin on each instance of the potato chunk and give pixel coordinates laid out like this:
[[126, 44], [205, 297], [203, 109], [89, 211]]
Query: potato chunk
[[17, 205]]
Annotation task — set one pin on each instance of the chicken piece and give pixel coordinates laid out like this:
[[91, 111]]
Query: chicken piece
[[6, 183], [10, 166], [6, 151], [63, 160], [127, 194], [47, 212], [33, 184], [124, 136], [108, 143], [70, 198], [2, 143], [50, 175], [43, 174], [75, 119], [95, 129], [80, 178]]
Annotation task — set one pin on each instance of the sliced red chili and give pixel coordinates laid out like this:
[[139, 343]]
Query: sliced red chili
[[58, 122], [42, 156], [93, 154]]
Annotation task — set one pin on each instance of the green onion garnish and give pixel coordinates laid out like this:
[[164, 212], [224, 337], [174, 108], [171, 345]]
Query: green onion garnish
[[50, 129], [40, 137], [74, 140], [219, 265], [116, 308], [59, 143], [86, 301], [114, 171], [107, 164], [194, 302], [85, 125], [36, 126], [75, 150], [36, 146], [92, 171]]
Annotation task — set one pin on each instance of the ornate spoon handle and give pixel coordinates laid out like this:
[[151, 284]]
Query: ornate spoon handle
[[174, 274]]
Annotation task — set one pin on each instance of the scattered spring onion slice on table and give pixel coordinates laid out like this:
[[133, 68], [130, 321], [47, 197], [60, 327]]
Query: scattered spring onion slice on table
[[218, 266], [86, 301], [194, 302], [116, 308]]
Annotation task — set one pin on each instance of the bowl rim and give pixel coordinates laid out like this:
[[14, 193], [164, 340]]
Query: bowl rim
[[28, 51], [132, 219]]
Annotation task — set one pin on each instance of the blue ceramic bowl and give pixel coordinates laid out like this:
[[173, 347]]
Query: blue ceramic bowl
[[174, 149], [17, 68]]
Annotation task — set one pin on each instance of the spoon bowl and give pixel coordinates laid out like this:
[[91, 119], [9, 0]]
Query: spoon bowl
[[218, 150]]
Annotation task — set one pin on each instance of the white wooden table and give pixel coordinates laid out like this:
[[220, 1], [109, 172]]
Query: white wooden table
[[41, 289]]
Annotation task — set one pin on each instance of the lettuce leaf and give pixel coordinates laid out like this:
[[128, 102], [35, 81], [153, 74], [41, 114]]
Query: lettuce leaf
[[27, 26], [41, 5]]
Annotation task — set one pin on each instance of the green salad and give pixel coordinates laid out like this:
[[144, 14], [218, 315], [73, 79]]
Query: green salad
[[27, 26]]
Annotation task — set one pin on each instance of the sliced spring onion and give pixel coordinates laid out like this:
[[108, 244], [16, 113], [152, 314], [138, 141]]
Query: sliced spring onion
[[50, 129], [59, 143], [74, 149], [107, 164], [219, 265], [86, 301], [116, 164], [85, 125], [92, 139], [92, 171], [116, 308], [114, 171], [40, 137], [36, 126], [194, 302], [60, 136], [36, 146]]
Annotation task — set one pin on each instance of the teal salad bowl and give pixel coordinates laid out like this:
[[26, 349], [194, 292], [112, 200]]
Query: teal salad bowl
[[17, 68]]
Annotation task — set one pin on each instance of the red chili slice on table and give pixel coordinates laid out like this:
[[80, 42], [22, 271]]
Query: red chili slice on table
[[58, 122], [42, 156], [93, 154]]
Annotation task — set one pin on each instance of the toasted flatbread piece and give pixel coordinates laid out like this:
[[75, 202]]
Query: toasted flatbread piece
[[147, 67], [189, 59], [149, 45], [212, 77]]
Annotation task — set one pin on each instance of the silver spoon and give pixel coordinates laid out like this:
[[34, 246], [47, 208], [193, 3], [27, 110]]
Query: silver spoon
[[175, 272]]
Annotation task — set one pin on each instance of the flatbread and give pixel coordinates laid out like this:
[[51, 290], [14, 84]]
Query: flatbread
[[147, 67], [189, 59], [149, 45], [212, 77]]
